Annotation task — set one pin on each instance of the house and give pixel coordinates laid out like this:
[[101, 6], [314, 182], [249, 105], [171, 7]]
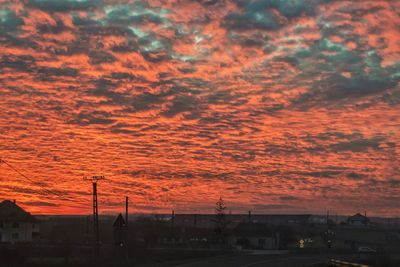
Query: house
[[358, 220], [252, 235], [17, 225]]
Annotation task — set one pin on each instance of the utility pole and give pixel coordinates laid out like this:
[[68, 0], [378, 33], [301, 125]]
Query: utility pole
[[172, 219], [327, 217], [126, 227], [96, 241], [172, 227], [195, 221], [126, 210]]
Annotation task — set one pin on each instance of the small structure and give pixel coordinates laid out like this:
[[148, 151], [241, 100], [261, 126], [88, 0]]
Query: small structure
[[358, 220], [252, 236], [17, 225], [120, 231]]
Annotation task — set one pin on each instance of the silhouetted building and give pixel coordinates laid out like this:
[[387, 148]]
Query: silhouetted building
[[358, 220], [206, 220], [252, 236], [17, 225]]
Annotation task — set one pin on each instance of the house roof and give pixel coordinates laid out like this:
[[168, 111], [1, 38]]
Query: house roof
[[358, 215], [12, 212], [252, 230]]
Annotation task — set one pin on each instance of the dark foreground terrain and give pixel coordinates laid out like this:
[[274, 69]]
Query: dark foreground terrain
[[141, 257], [286, 260]]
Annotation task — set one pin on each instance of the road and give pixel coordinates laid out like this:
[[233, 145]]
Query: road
[[258, 261], [249, 260]]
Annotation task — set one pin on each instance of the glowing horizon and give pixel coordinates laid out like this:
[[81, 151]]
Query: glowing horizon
[[277, 106]]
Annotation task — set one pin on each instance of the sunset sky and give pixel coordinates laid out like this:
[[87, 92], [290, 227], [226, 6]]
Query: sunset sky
[[278, 106]]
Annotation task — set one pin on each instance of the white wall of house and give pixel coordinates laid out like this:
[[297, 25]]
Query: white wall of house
[[14, 232]]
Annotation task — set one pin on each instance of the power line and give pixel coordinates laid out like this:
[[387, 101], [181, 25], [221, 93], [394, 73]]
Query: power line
[[29, 179]]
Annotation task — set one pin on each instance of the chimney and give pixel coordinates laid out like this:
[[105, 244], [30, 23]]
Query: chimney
[[249, 216], [14, 201]]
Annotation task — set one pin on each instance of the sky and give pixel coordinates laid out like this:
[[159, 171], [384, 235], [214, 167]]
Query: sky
[[288, 106]]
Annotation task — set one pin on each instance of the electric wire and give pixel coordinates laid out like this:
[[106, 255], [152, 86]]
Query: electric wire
[[44, 189]]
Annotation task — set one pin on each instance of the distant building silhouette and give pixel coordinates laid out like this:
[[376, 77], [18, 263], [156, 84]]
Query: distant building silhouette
[[17, 225], [358, 220], [252, 235], [206, 220]]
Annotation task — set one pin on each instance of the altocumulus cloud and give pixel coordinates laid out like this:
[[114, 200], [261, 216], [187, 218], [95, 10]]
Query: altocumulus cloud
[[276, 105]]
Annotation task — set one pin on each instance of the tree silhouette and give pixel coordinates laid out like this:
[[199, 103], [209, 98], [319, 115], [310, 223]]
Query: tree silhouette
[[220, 221]]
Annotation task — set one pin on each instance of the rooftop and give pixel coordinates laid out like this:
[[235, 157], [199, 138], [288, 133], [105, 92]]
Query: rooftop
[[10, 211]]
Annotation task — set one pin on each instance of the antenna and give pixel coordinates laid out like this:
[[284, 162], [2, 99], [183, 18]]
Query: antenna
[[96, 243], [172, 227]]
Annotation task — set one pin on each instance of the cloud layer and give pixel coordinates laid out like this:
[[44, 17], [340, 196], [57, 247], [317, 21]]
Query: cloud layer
[[278, 106]]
